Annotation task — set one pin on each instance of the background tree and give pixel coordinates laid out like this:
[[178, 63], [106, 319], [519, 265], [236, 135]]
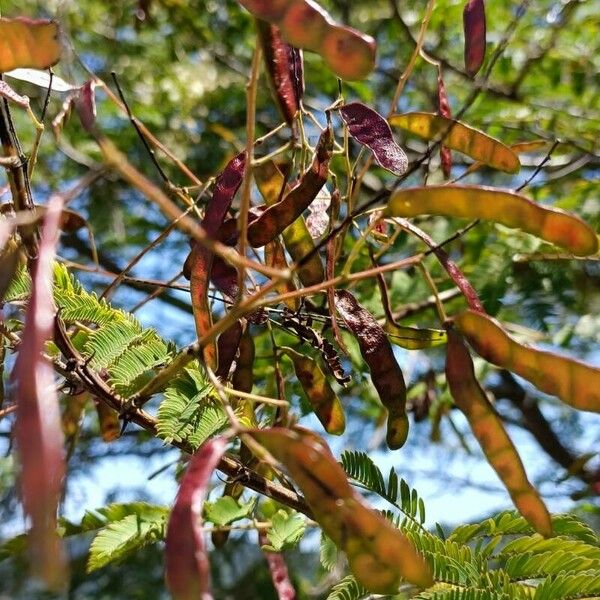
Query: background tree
[[183, 69]]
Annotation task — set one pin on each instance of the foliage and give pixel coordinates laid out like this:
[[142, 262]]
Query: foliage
[[326, 238]]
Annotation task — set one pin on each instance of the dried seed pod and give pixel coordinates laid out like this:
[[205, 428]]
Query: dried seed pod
[[284, 66], [502, 206], [444, 111], [459, 136], [280, 215], [370, 129], [349, 53], [296, 237], [379, 356], [201, 259], [379, 555], [323, 399], [187, 567], [575, 383], [474, 28], [491, 435]]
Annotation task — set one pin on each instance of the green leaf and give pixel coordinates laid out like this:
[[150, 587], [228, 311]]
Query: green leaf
[[360, 467], [121, 537], [347, 589], [227, 510], [189, 411], [329, 553], [286, 531]]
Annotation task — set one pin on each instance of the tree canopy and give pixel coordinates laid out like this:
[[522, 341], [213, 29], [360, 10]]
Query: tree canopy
[[289, 273]]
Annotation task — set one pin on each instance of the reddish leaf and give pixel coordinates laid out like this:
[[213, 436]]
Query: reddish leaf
[[38, 427], [379, 356], [474, 27], [279, 573], [284, 65], [201, 259], [370, 129], [187, 567], [280, 215]]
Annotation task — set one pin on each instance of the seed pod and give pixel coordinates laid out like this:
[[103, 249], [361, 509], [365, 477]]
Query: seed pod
[[575, 383], [278, 569], [227, 345], [201, 259], [379, 356], [28, 43], [187, 566], [350, 54], [108, 420], [243, 376], [323, 399], [491, 435], [474, 28], [444, 111], [296, 237], [379, 555], [370, 129], [502, 206], [284, 66], [461, 137], [280, 215]]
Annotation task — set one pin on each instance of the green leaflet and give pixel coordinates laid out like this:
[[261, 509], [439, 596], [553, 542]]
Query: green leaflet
[[360, 467], [286, 531], [118, 539], [347, 589], [328, 553], [118, 342], [226, 510], [122, 529], [510, 523], [189, 411]]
